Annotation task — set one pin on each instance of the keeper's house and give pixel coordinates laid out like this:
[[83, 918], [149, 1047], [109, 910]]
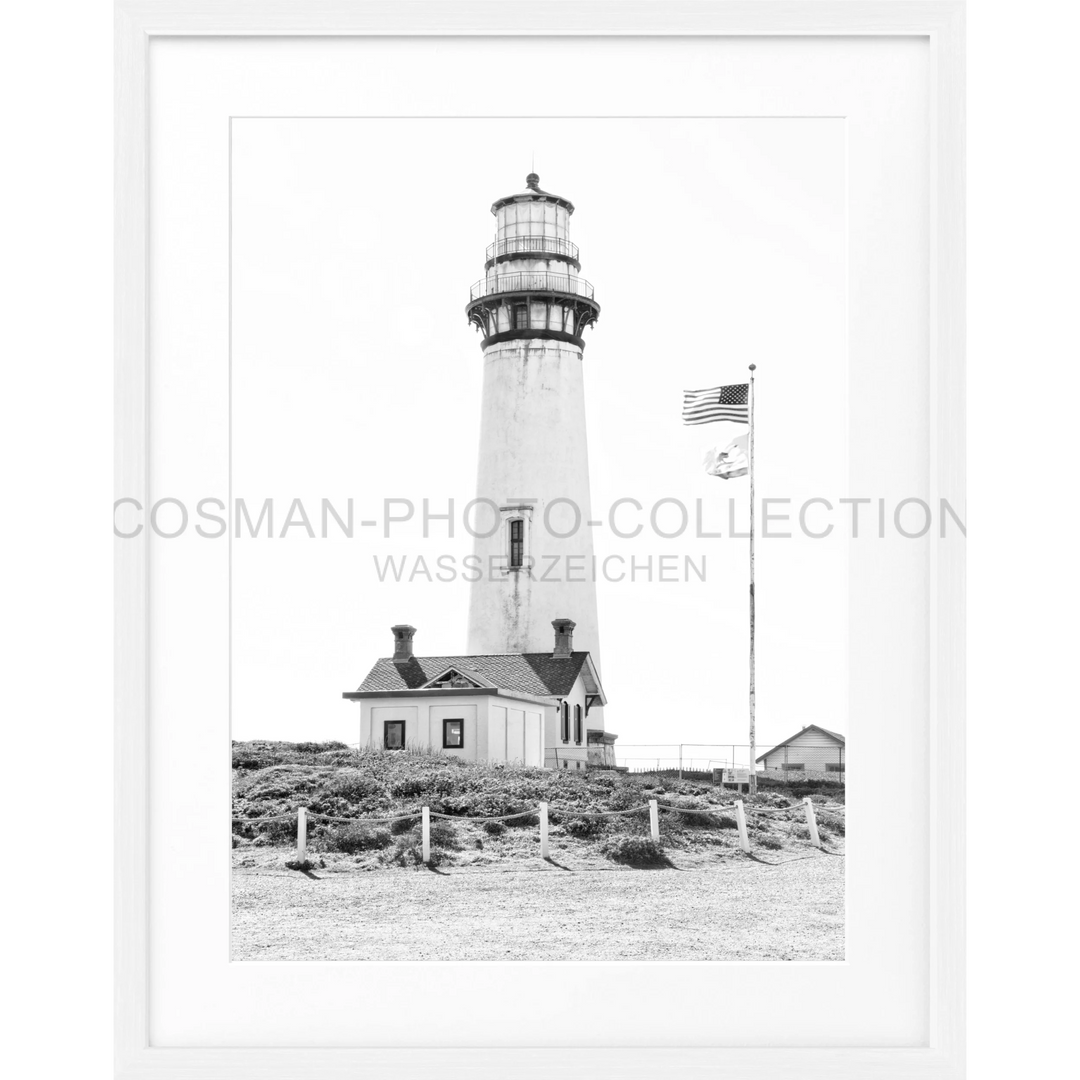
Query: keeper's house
[[530, 708], [814, 752]]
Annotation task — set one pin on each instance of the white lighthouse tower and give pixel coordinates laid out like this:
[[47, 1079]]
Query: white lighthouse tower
[[529, 689], [534, 539]]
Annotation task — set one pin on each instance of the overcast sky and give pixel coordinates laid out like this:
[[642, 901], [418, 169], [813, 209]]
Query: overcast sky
[[711, 243]]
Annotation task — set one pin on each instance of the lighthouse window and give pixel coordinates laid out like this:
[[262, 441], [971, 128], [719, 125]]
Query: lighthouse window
[[517, 543], [521, 316]]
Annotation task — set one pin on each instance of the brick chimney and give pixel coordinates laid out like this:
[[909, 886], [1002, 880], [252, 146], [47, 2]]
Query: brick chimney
[[403, 635], [564, 638]]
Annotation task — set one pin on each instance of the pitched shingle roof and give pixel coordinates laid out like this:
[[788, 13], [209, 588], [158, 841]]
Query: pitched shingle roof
[[539, 674], [809, 727]]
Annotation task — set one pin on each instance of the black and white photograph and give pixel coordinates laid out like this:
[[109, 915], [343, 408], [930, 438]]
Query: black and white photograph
[[540, 472], [515, 675]]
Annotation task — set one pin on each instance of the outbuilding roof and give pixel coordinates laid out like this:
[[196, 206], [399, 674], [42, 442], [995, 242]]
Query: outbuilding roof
[[809, 727]]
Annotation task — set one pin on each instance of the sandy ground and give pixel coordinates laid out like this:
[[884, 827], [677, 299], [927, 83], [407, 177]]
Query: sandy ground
[[707, 907]]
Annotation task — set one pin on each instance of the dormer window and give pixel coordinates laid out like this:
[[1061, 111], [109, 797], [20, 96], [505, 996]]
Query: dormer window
[[451, 679]]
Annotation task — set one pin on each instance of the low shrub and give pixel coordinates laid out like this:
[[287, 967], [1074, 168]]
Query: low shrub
[[606, 780], [494, 828], [355, 838], [799, 789], [402, 825], [405, 787], [354, 785], [623, 798], [481, 804], [702, 820], [769, 842], [442, 834], [408, 851], [635, 851], [262, 754], [275, 832], [583, 827]]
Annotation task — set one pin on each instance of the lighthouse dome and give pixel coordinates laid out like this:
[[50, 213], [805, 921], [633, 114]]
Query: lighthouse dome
[[532, 193]]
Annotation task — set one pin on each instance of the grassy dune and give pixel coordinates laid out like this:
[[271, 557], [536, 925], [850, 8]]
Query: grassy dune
[[271, 779]]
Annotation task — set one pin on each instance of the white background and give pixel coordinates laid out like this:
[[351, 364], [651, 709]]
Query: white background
[[711, 242], [879, 995]]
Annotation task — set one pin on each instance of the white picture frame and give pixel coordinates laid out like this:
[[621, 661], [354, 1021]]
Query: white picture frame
[[137, 23]]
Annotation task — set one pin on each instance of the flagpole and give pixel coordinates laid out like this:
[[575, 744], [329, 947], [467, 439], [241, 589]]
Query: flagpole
[[753, 690]]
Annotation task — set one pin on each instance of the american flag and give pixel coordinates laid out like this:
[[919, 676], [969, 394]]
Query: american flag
[[719, 403]]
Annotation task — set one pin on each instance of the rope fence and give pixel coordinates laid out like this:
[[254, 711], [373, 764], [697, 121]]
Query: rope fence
[[544, 812], [365, 820]]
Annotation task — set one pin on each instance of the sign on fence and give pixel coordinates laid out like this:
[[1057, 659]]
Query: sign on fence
[[737, 776]]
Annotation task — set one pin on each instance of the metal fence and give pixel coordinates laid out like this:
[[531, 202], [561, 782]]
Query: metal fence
[[699, 760]]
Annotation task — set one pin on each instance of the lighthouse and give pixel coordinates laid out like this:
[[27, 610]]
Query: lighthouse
[[533, 521], [528, 689]]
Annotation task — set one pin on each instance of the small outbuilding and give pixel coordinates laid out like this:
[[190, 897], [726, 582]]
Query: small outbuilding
[[815, 752]]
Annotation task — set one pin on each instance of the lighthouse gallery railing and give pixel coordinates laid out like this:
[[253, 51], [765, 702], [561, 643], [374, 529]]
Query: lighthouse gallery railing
[[511, 283], [543, 245]]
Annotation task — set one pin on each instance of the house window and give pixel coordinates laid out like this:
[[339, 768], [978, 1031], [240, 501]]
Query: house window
[[833, 766], [791, 766], [394, 735], [517, 543], [565, 721], [578, 733], [453, 734]]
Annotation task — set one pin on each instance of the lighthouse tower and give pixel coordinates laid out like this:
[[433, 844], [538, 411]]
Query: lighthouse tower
[[533, 537]]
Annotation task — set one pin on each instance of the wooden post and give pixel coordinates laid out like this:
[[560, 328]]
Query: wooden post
[[654, 820], [811, 822], [680, 760], [301, 835], [543, 831], [425, 828], [740, 817]]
